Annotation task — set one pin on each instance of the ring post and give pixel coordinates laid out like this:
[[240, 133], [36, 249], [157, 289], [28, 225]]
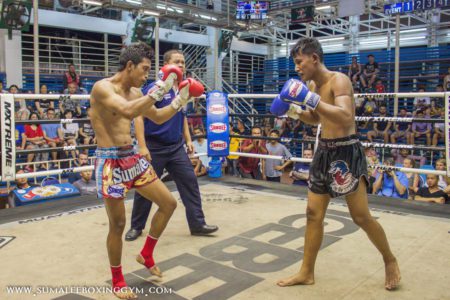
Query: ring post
[[217, 131], [8, 156]]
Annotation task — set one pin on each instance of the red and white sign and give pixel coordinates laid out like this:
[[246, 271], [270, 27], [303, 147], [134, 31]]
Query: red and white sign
[[218, 145], [217, 109], [218, 127]]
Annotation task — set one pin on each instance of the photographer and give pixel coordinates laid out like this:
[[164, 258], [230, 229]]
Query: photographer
[[391, 183]]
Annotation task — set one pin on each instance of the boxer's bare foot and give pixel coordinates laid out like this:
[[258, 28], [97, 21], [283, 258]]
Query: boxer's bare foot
[[153, 270], [124, 293], [392, 275], [299, 278]]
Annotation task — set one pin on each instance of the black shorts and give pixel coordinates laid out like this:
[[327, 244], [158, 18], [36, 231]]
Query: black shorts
[[337, 166]]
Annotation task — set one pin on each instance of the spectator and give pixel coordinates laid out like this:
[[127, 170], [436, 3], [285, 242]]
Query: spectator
[[20, 133], [195, 122], [422, 102], [20, 105], [400, 155], [87, 134], [70, 133], [432, 192], [354, 71], [86, 184], [71, 77], [309, 132], [34, 141], [380, 128], [232, 160], [43, 104], [420, 129], [279, 124], [402, 129], [370, 106], [447, 81], [210, 4], [21, 184], [272, 169], [370, 72], [247, 14], [201, 146], [300, 172], [52, 133], [372, 160], [439, 129], [241, 130], [82, 160], [1, 87], [379, 87], [199, 168], [249, 166], [437, 103], [413, 178], [443, 181], [390, 183], [68, 104]]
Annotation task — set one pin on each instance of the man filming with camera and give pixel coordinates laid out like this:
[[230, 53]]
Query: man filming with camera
[[391, 183]]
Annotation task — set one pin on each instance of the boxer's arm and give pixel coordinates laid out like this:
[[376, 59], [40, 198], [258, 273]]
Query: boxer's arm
[[310, 117], [160, 115], [342, 110], [103, 92], [139, 131], [186, 133]]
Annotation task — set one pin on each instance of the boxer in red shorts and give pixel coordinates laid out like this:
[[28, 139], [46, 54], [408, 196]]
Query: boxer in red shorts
[[115, 102]]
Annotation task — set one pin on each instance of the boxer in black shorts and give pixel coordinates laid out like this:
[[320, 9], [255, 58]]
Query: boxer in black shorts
[[339, 166]]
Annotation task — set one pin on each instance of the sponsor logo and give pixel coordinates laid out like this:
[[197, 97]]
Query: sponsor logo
[[116, 191], [343, 180], [217, 109], [8, 137], [218, 127], [42, 191], [120, 175], [294, 89], [218, 145], [216, 94]]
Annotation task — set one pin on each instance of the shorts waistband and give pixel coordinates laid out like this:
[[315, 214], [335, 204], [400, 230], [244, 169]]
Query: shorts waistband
[[115, 152], [343, 141]]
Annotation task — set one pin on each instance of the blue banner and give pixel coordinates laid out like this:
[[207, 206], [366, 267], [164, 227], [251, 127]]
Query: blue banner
[[38, 194], [217, 131]]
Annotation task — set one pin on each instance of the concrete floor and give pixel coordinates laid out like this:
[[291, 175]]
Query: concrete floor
[[260, 240]]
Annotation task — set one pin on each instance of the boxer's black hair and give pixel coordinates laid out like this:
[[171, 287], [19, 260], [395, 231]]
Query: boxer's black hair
[[135, 53], [307, 46]]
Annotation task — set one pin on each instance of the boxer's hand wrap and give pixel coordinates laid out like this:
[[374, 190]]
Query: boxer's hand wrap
[[297, 92], [294, 111], [188, 90], [167, 76]]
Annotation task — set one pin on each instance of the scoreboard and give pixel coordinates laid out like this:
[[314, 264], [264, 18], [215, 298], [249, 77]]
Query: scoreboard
[[409, 6]]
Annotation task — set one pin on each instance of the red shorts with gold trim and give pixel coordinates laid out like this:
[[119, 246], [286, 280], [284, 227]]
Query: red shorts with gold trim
[[118, 169]]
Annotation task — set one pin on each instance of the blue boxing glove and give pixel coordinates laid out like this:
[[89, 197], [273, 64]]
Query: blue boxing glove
[[297, 92], [279, 107]]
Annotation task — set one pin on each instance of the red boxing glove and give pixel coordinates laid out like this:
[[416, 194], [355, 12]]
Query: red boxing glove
[[196, 89], [188, 89], [169, 69]]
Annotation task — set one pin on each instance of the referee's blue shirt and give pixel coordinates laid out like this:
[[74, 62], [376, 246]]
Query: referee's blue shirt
[[170, 132]]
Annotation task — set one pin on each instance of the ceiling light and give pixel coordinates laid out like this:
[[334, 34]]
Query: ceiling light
[[151, 13], [323, 7], [412, 38], [413, 30], [332, 39], [137, 2], [91, 2]]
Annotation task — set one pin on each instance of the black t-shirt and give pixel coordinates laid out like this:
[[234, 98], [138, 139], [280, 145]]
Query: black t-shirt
[[44, 103], [381, 125], [370, 68], [425, 192]]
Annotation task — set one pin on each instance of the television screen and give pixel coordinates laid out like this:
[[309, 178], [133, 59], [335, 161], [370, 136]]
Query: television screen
[[252, 10]]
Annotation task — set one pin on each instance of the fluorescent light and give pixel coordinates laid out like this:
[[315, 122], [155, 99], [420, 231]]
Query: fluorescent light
[[91, 2], [150, 13], [373, 41], [332, 39], [412, 38], [323, 7], [159, 6], [413, 30], [137, 2], [207, 17]]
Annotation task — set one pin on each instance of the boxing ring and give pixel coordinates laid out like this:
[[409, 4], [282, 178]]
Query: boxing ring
[[56, 250]]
